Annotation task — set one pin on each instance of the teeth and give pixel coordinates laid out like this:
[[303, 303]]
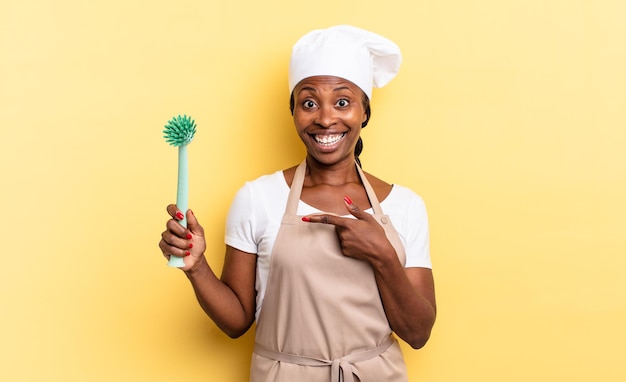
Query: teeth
[[328, 139]]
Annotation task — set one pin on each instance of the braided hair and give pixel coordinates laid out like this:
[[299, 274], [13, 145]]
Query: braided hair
[[359, 144]]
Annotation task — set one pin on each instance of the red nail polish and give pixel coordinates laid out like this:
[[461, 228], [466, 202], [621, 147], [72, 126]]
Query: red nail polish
[[190, 245], [306, 219], [188, 236], [347, 200], [187, 253], [179, 215]]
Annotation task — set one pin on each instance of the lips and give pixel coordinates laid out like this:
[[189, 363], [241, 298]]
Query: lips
[[328, 139]]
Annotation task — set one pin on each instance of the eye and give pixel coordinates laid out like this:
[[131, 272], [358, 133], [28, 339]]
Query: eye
[[342, 102], [308, 104]]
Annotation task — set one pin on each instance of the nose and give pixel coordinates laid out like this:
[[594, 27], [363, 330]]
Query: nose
[[325, 116]]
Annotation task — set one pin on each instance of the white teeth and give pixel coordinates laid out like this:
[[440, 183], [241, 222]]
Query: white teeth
[[328, 140]]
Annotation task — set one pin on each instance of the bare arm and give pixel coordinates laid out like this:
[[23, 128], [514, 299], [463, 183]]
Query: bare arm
[[230, 300], [408, 295]]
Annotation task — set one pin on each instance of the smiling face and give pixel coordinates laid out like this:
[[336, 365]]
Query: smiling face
[[328, 114]]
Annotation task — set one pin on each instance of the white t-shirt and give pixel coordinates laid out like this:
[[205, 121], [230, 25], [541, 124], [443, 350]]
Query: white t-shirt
[[257, 210]]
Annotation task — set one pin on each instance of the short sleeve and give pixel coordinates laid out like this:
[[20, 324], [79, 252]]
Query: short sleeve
[[240, 222], [418, 236], [408, 214]]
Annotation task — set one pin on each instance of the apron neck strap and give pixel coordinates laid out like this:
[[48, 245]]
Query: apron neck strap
[[296, 189], [371, 195], [298, 181]]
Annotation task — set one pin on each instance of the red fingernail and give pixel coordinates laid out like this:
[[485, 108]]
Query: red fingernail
[[179, 215], [306, 219], [190, 245], [188, 236], [187, 253], [347, 200]]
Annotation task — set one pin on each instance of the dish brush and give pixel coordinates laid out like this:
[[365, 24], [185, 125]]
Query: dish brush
[[179, 132]]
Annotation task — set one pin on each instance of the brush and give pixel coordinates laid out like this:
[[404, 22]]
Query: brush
[[179, 132]]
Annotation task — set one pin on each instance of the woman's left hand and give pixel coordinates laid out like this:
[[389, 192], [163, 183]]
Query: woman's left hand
[[408, 294], [362, 238]]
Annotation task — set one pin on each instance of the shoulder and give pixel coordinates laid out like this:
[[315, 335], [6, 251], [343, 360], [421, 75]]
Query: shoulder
[[404, 204], [394, 194], [405, 198], [257, 203], [256, 196], [267, 182]]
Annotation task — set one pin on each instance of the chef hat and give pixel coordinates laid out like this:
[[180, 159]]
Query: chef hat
[[359, 56]]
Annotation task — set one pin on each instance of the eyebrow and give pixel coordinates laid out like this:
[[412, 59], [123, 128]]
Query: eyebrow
[[311, 89], [307, 88], [341, 88]]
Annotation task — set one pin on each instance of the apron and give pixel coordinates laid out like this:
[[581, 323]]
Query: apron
[[322, 317]]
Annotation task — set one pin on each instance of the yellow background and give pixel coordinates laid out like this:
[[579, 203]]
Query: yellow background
[[508, 117]]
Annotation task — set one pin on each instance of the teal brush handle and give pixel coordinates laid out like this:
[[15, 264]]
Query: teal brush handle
[[178, 132], [182, 197]]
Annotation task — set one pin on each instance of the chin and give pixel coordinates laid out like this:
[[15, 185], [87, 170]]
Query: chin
[[330, 159]]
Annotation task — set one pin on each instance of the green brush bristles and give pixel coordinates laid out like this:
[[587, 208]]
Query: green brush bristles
[[179, 131]]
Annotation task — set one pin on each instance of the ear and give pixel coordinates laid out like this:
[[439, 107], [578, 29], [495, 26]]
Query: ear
[[365, 119]]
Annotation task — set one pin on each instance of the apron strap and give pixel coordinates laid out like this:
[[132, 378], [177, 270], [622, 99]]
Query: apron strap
[[370, 192], [341, 369], [296, 189]]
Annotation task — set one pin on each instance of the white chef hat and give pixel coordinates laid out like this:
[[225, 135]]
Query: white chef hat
[[359, 56]]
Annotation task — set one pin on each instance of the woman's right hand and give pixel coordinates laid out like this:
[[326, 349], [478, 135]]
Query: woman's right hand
[[188, 243]]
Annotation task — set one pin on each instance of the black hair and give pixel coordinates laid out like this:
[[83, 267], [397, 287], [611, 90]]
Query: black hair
[[359, 144]]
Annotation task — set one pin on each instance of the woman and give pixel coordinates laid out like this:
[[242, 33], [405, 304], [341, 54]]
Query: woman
[[309, 252]]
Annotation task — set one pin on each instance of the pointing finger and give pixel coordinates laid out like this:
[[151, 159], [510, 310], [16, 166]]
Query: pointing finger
[[324, 219]]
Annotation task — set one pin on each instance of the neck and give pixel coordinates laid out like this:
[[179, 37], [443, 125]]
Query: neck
[[335, 175]]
